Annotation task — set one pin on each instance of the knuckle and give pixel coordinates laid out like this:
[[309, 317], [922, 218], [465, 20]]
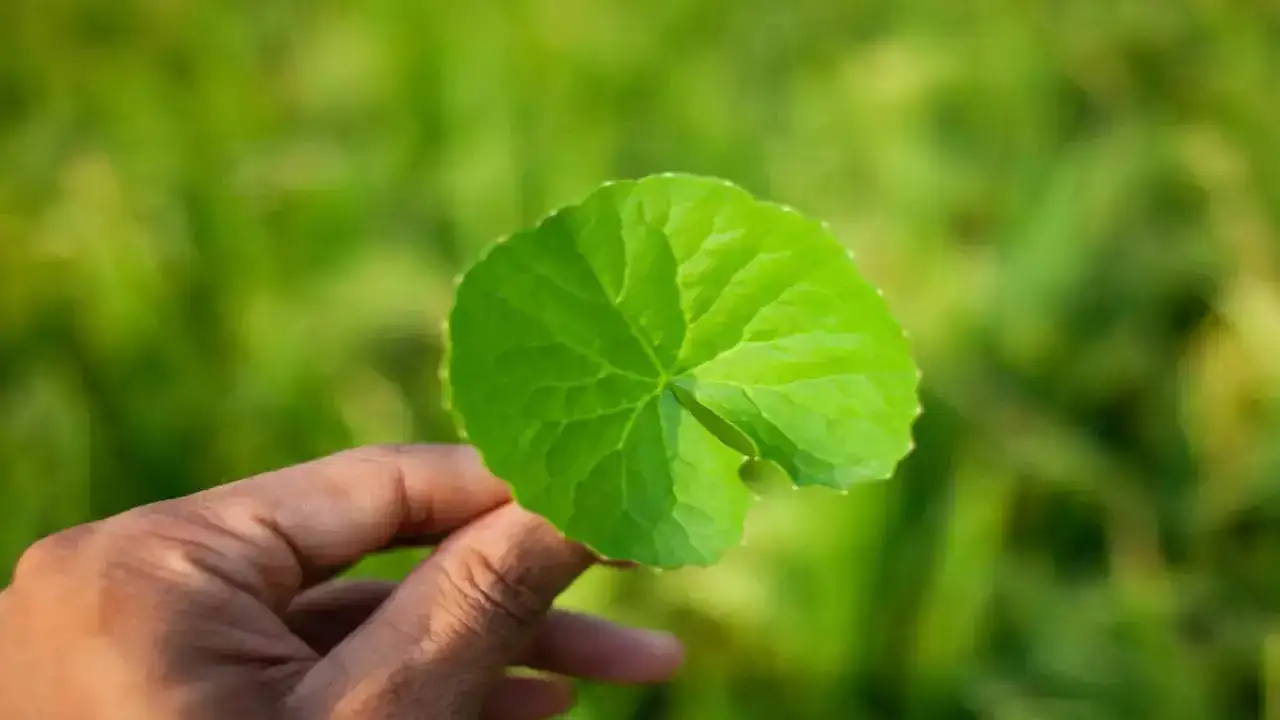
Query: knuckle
[[171, 542], [52, 556], [383, 461], [137, 548], [95, 575], [143, 539], [487, 593]]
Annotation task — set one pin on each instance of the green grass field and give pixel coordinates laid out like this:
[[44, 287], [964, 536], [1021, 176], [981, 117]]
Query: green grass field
[[228, 234]]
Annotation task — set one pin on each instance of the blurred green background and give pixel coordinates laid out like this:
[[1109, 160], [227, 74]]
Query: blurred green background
[[228, 233]]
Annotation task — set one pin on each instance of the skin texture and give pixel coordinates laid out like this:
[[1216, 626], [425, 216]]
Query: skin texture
[[221, 604]]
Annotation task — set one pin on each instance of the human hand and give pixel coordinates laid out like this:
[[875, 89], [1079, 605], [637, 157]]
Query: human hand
[[221, 604]]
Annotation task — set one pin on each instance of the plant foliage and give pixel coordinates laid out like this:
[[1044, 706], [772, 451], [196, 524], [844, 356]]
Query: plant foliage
[[617, 362]]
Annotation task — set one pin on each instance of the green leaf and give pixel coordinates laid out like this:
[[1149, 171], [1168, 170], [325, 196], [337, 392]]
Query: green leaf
[[618, 363]]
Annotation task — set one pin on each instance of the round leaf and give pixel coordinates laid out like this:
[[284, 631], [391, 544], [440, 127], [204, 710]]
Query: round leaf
[[618, 363]]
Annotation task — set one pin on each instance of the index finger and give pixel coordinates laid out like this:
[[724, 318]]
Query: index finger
[[289, 526]]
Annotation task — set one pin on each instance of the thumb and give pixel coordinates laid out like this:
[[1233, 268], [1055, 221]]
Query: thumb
[[439, 643]]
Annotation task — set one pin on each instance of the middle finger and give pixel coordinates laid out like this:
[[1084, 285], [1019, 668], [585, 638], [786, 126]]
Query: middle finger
[[567, 643]]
